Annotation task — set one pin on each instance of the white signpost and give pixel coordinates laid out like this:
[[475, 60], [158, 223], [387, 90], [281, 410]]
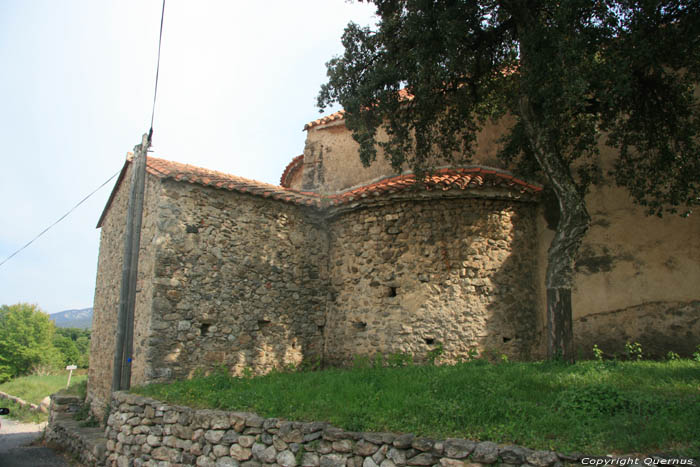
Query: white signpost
[[71, 368]]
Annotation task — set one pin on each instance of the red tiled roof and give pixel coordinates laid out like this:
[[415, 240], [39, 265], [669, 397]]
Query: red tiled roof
[[340, 115], [165, 169], [162, 168], [291, 167], [442, 179], [337, 116]]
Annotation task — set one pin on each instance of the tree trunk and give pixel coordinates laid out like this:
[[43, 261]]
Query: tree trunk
[[573, 224]]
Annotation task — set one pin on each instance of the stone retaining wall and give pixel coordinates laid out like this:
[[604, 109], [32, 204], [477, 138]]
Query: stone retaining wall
[[146, 432], [85, 443]]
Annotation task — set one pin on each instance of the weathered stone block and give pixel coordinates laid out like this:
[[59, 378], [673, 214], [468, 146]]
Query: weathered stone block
[[332, 460], [240, 453], [542, 458], [486, 452], [286, 459], [458, 448]]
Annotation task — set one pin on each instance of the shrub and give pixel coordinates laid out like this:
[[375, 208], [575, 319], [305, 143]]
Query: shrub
[[633, 351], [597, 353]]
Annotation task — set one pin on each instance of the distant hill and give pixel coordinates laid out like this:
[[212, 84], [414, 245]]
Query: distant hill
[[73, 318]]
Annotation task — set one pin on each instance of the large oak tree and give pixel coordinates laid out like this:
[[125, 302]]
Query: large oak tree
[[571, 75]]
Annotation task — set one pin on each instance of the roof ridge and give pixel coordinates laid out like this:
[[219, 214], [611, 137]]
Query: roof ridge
[[443, 178]]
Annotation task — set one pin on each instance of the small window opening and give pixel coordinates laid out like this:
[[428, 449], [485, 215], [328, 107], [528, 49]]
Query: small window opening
[[429, 340], [506, 339], [263, 322], [391, 291], [204, 328], [360, 325]]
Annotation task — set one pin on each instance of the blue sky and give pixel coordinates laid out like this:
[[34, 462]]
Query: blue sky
[[238, 81]]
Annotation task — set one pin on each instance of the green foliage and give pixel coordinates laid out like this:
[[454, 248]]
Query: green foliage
[[78, 387], [23, 413], [74, 345], [300, 455], [591, 400], [672, 356], [361, 361], [571, 76], [34, 388], [590, 407], [310, 364], [435, 353], [472, 354], [633, 350], [563, 71], [696, 355], [399, 359], [26, 335], [83, 413], [597, 353]]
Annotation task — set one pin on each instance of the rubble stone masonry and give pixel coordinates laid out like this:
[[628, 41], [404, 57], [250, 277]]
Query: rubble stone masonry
[[415, 277], [239, 281]]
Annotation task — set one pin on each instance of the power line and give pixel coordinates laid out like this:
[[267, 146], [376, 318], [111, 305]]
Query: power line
[[150, 135], [155, 92], [59, 220]]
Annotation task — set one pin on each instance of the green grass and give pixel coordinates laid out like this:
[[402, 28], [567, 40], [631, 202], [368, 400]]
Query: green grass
[[35, 388], [22, 413], [591, 407]]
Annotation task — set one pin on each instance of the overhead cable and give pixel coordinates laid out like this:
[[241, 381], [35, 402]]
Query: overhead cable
[[59, 220], [155, 92]]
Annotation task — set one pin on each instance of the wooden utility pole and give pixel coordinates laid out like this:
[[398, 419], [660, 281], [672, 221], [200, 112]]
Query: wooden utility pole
[[121, 374]]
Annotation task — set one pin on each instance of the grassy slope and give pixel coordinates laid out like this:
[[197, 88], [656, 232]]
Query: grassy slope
[[597, 408], [33, 389]]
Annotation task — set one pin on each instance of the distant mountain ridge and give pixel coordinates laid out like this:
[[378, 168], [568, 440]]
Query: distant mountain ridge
[[73, 318]]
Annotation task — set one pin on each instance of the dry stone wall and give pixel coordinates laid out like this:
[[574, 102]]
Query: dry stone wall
[[415, 276], [240, 281], [146, 432]]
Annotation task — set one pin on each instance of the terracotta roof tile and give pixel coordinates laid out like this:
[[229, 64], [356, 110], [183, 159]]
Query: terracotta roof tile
[[337, 116], [162, 168], [292, 167], [442, 180]]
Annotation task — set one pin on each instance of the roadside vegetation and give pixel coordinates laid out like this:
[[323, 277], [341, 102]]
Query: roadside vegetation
[[34, 355], [593, 407], [35, 388], [30, 343]]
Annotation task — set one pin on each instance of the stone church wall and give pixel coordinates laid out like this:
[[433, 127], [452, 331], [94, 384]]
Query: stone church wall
[[240, 282], [411, 276], [108, 287], [636, 279]]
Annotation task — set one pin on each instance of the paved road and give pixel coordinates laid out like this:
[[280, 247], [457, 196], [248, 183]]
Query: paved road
[[15, 450]]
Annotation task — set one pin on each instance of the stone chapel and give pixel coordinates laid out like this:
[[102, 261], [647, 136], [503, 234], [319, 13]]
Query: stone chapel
[[341, 260]]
